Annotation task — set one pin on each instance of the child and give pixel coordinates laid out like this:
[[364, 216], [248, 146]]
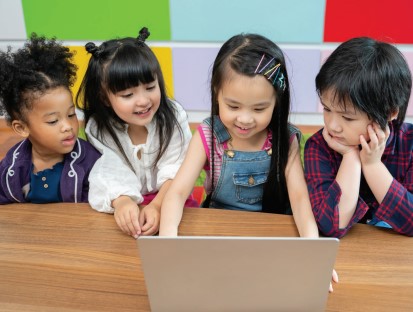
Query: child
[[359, 168], [51, 164], [142, 135], [248, 149]]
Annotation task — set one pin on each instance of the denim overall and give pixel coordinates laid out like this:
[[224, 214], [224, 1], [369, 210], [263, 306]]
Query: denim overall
[[243, 175]]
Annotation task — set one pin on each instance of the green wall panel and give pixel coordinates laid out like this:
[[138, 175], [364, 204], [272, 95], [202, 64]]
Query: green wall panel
[[97, 19]]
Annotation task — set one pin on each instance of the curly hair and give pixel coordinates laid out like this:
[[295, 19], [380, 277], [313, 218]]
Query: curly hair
[[42, 64]]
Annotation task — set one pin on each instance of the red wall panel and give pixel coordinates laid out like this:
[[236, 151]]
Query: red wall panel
[[390, 21]]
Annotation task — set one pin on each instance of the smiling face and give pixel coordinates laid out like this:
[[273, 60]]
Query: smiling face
[[137, 105], [344, 124], [246, 105]]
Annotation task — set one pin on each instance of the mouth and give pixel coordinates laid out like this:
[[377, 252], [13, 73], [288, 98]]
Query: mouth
[[143, 112], [70, 140], [243, 128]]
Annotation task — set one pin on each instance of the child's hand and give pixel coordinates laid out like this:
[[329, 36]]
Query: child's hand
[[127, 215], [336, 145], [372, 151], [334, 279], [149, 219]]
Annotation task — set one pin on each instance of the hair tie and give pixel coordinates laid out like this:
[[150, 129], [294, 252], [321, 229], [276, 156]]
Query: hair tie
[[92, 49], [143, 35]]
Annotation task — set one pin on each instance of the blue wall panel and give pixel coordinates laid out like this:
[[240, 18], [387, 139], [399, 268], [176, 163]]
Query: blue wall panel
[[293, 21]]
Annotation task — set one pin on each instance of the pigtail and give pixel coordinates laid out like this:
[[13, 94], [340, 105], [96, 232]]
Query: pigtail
[[143, 35], [92, 49]]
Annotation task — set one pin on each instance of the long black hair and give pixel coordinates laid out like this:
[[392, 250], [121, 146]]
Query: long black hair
[[116, 65], [244, 54], [372, 75], [25, 75]]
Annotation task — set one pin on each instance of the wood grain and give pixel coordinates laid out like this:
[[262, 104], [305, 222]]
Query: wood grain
[[68, 257]]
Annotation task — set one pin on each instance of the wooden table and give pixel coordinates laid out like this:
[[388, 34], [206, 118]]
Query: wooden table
[[68, 257]]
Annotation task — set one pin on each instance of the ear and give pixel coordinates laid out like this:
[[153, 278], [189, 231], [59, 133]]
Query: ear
[[394, 115], [20, 128]]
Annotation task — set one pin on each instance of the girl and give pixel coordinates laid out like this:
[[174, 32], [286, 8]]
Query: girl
[[248, 148], [142, 135], [51, 164]]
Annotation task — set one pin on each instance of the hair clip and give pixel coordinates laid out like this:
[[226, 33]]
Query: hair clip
[[281, 82], [143, 35], [273, 74], [258, 66]]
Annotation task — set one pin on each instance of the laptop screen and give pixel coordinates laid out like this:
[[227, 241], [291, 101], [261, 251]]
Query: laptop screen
[[237, 273]]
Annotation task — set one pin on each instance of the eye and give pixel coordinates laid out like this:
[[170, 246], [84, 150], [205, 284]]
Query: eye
[[259, 109], [150, 87], [232, 107], [71, 115], [52, 122], [126, 95], [347, 118]]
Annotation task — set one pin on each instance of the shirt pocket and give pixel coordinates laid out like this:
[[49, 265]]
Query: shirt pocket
[[249, 187]]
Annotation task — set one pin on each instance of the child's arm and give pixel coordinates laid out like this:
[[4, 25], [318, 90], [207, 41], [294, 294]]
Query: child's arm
[[348, 179], [395, 198], [126, 213], [181, 187], [299, 199], [298, 194], [109, 179], [322, 164], [149, 217]]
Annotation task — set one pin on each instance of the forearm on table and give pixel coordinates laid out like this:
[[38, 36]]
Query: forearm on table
[[379, 180], [348, 178]]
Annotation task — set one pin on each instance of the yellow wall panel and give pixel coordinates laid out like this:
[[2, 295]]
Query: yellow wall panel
[[81, 59], [164, 56]]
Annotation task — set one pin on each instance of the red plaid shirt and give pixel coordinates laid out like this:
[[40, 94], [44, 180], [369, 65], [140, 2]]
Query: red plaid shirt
[[321, 167]]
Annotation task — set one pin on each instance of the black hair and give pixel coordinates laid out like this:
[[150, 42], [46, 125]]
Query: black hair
[[370, 74], [26, 74], [116, 65], [243, 53]]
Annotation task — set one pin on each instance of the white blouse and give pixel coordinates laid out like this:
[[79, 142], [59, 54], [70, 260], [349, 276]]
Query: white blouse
[[111, 177]]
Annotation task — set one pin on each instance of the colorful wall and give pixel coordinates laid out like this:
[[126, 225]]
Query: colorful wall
[[186, 35]]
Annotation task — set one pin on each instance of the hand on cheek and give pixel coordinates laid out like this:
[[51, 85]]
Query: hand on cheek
[[337, 146], [372, 151]]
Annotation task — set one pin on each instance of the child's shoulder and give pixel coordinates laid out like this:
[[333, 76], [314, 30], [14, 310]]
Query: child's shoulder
[[21, 150], [86, 149], [407, 129], [316, 139], [405, 136]]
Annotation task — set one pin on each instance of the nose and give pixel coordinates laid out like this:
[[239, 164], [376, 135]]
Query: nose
[[245, 118], [67, 125], [332, 123], [142, 100]]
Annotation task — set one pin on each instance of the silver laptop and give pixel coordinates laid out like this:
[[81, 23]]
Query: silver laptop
[[209, 273]]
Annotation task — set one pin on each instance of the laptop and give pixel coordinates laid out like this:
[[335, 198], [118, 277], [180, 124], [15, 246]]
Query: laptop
[[210, 273]]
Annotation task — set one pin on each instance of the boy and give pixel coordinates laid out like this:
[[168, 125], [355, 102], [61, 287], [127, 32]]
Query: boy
[[359, 167]]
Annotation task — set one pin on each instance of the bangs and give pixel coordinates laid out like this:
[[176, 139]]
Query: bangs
[[130, 68]]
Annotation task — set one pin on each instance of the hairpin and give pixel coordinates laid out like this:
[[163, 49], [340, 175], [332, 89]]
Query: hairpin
[[273, 74]]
